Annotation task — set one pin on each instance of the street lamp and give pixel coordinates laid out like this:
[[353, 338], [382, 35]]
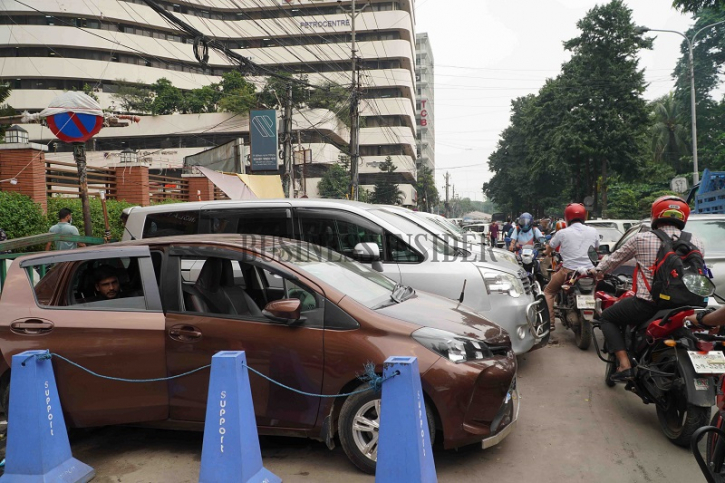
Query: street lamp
[[641, 30], [128, 155]]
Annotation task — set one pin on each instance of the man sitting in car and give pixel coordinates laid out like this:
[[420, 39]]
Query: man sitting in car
[[106, 283]]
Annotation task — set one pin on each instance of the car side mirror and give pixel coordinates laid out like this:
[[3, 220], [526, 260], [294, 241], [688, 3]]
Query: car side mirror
[[285, 311], [604, 249], [366, 252]]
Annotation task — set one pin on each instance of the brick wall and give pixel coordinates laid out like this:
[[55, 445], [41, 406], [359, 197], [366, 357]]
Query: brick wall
[[132, 184], [27, 165]]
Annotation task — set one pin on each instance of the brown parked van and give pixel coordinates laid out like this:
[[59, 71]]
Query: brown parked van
[[306, 317]]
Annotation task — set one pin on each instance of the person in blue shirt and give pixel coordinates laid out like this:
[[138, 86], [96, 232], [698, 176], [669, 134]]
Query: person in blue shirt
[[525, 233]]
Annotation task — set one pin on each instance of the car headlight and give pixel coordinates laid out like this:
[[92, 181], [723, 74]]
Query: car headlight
[[502, 282], [454, 347], [509, 257]]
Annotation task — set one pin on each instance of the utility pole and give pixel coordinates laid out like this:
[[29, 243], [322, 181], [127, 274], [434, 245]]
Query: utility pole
[[79, 155], [448, 206], [354, 106], [287, 146]]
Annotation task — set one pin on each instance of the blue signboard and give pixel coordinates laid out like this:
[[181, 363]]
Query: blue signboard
[[263, 134]]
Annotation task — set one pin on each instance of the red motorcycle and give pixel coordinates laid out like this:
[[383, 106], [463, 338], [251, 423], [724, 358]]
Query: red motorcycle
[[674, 368]]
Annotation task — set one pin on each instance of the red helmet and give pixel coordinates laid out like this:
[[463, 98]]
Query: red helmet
[[575, 211], [669, 209]]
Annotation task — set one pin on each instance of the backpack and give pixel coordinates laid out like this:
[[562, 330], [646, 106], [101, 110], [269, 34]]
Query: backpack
[[675, 258]]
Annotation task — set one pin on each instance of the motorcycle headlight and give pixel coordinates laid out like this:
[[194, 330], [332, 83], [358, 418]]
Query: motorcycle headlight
[[456, 348], [501, 282]]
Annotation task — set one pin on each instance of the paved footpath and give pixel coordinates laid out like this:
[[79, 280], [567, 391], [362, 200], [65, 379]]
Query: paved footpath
[[572, 428]]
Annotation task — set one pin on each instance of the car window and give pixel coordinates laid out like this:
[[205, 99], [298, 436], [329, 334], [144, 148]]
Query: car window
[[401, 252], [603, 224], [711, 232], [629, 234], [267, 221], [171, 224], [337, 230], [608, 234], [417, 236], [101, 284]]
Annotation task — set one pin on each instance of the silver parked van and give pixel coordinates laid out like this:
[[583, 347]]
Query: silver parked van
[[405, 251]]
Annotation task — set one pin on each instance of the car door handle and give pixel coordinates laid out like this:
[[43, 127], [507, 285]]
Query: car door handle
[[184, 333], [31, 326]]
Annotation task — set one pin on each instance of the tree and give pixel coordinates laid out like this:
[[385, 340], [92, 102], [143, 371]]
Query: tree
[[168, 99], [426, 188], [333, 98], [694, 6], [669, 135], [237, 94], [133, 98], [386, 192], [5, 109], [274, 93], [204, 99], [335, 182]]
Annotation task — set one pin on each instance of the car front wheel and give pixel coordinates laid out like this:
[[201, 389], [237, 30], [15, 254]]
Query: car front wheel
[[359, 426]]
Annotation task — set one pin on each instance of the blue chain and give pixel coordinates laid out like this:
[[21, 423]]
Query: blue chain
[[374, 380], [48, 355]]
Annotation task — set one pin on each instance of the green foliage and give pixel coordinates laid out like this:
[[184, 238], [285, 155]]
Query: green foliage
[[74, 204], [694, 6], [386, 192], [133, 98], [634, 199], [669, 135], [583, 126], [274, 93], [167, 98], [204, 99], [333, 98], [20, 216], [237, 95], [335, 183], [426, 188]]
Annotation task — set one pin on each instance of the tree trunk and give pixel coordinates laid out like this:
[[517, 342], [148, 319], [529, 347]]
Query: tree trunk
[[604, 188]]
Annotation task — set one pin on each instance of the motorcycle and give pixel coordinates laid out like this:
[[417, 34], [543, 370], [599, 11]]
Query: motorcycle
[[674, 368], [575, 307], [528, 257]]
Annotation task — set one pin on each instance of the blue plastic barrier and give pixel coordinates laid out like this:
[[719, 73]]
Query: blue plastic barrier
[[404, 447], [231, 453], [38, 449]]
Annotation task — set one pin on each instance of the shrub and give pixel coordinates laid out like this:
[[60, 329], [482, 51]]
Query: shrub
[[74, 204], [20, 216]]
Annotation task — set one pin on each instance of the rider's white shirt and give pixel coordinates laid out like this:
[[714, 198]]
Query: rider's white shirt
[[573, 243]]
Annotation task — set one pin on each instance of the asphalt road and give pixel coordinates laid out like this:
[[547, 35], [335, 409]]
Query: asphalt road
[[571, 428]]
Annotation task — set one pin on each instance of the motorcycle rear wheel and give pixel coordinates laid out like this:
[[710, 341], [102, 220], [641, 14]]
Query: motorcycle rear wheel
[[715, 454], [583, 333], [679, 419]]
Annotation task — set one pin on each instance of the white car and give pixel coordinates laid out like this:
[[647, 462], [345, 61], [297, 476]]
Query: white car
[[621, 225]]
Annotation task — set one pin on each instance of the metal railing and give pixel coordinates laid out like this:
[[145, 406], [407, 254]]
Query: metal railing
[[33, 241]]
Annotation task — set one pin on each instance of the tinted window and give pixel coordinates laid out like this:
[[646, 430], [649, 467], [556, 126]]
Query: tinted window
[[401, 252], [267, 221], [171, 224], [338, 230]]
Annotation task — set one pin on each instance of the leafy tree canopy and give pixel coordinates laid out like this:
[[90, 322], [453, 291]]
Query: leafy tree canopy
[[386, 191]]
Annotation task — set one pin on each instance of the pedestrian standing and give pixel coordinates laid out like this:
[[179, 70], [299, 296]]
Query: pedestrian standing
[[493, 233], [64, 227]]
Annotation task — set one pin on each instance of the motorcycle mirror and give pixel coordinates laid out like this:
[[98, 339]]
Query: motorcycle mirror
[[593, 255]]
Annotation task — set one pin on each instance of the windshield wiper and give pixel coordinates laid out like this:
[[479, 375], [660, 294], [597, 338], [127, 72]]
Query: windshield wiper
[[401, 293]]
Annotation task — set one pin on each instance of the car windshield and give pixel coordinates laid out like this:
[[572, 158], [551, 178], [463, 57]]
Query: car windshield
[[711, 232], [608, 234], [602, 224], [355, 280]]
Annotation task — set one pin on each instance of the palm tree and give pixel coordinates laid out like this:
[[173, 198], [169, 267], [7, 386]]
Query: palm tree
[[669, 134]]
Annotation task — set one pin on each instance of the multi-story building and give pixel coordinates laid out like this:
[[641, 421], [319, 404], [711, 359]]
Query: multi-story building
[[50, 46], [425, 116]]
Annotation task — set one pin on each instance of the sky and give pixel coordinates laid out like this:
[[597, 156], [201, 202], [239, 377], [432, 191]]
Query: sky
[[489, 52]]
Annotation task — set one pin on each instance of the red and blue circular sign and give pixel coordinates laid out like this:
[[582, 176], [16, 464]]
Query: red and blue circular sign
[[72, 127]]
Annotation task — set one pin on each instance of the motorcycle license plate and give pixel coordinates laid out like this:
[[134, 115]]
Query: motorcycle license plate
[[708, 363], [586, 302]]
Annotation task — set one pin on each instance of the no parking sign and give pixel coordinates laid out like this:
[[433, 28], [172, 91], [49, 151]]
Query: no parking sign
[[74, 117]]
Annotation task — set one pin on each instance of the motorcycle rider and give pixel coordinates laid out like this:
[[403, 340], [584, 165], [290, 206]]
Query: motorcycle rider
[[573, 244], [524, 234], [669, 214]]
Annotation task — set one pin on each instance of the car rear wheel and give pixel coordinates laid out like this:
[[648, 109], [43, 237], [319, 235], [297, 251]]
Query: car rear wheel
[[359, 426]]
